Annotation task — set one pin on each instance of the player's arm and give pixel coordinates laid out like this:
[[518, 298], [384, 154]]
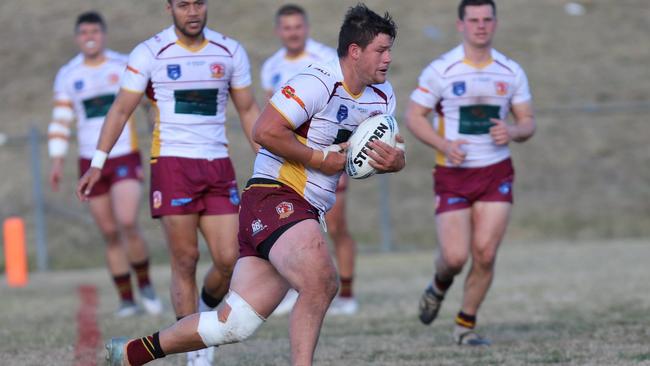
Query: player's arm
[[248, 111], [417, 121], [523, 128], [58, 135], [122, 108], [276, 134]]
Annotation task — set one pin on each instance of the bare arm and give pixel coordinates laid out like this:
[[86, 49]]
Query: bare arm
[[276, 134], [417, 121], [523, 128], [248, 111]]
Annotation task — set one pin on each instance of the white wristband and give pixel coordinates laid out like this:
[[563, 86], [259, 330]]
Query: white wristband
[[99, 158]]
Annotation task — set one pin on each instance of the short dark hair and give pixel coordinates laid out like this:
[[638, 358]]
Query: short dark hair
[[290, 9], [91, 17], [465, 3], [361, 25]]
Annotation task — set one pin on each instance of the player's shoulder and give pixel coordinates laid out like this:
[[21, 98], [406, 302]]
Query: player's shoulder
[[157, 43], [384, 90], [329, 72], [230, 45], [71, 65], [323, 51], [506, 63], [274, 59], [446, 62], [116, 57]]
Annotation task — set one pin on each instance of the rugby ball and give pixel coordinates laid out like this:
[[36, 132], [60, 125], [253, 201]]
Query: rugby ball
[[382, 127]]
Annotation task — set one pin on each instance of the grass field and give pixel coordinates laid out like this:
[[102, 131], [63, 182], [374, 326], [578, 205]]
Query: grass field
[[559, 303]]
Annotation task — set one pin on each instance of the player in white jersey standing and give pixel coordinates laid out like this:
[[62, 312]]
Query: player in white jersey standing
[[84, 90], [471, 88], [188, 71], [298, 52], [293, 185]]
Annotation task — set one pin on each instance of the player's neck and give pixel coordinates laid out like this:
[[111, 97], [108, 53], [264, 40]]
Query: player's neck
[[190, 42], [294, 54], [478, 55], [95, 60], [351, 80]]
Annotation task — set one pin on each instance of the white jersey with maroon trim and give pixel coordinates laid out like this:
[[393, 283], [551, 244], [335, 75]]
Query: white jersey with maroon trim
[[90, 91], [279, 68], [190, 88], [465, 97], [322, 112]]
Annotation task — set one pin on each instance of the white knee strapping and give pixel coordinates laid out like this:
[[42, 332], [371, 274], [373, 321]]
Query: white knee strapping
[[239, 324]]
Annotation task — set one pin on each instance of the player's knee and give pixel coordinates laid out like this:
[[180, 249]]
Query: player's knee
[[130, 229], [112, 237], [455, 262], [484, 258], [186, 262], [233, 321]]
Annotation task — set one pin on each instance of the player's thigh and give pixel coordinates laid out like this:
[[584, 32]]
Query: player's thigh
[[126, 195], [302, 257], [258, 282], [454, 232], [181, 234], [490, 221], [102, 212], [220, 233]]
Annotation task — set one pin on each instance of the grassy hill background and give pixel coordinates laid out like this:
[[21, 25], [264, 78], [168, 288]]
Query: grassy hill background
[[584, 176]]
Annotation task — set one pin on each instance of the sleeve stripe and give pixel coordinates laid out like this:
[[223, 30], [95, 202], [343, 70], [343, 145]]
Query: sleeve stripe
[[283, 115], [424, 90], [63, 103], [131, 90], [57, 136], [133, 70]]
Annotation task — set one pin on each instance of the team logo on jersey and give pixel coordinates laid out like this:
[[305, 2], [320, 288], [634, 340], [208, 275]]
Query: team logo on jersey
[[284, 209], [257, 226], [156, 199], [290, 93], [275, 80], [218, 70], [174, 71], [78, 85], [342, 114], [501, 87], [458, 88], [113, 78]]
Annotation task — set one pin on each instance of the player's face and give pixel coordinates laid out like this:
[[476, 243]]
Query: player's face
[[90, 38], [375, 59], [292, 31], [189, 16], [478, 26]]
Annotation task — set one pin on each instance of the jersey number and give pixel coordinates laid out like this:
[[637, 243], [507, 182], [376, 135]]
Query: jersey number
[[202, 102]]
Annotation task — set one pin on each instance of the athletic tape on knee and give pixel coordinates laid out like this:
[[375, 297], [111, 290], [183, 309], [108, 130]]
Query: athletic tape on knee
[[234, 326]]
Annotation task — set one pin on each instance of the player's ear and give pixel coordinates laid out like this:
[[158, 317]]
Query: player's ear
[[354, 51]]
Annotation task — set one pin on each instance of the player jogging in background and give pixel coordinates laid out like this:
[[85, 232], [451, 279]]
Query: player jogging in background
[[189, 72], [471, 88], [84, 90], [293, 185], [299, 51]]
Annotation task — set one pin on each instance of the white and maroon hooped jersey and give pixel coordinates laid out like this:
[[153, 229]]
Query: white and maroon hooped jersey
[[279, 68], [465, 97], [90, 91], [190, 88], [322, 112]]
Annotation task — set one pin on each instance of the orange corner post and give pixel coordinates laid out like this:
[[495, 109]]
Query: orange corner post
[[15, 252]]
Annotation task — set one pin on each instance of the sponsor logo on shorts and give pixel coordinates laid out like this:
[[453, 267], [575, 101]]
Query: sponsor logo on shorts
[[456, 200], [505, 188], [234, 196], [177, 202], [459, 88], [157, 199], [257, 226], [501, 87], [342, 114], [78, 85], [218, 70], [284, 209], [122, 171], [174, 71]]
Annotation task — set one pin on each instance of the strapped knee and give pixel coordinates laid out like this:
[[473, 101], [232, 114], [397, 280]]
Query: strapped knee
[[233, 321]]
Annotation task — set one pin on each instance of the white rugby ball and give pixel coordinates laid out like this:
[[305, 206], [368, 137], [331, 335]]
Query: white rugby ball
[[382, 127]]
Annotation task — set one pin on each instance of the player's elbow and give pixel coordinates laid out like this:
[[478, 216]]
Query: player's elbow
[[261, 134]]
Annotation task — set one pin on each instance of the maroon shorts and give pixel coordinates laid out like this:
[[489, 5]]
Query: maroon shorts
[[459, 188], [181, 186], [268, 209], [123, 167], [342, 184]]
